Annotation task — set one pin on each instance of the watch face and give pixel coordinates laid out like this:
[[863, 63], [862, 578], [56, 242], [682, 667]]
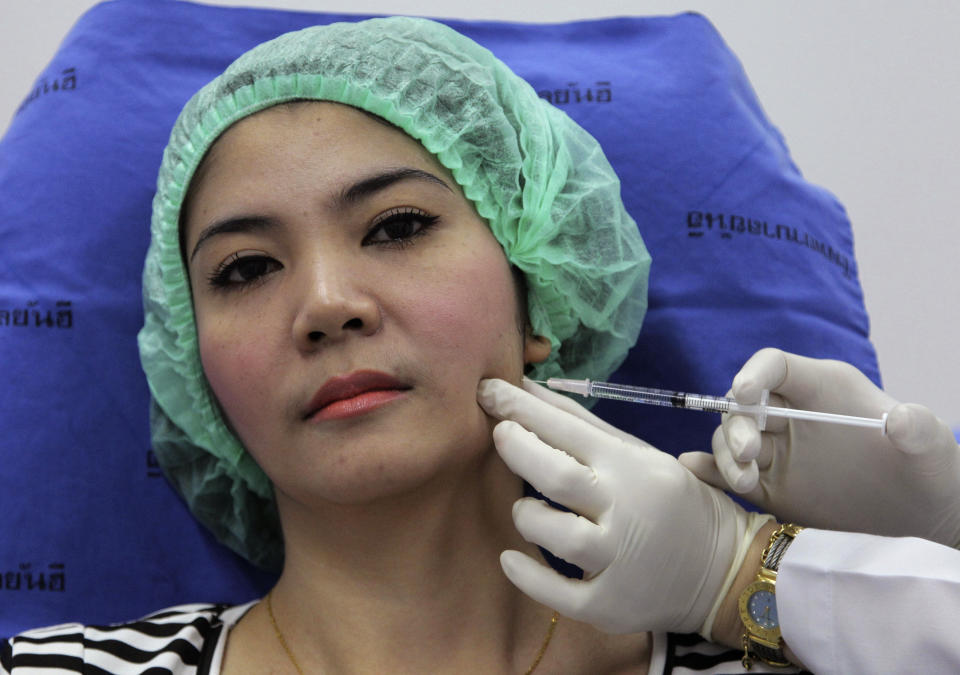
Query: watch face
[[762, 606]]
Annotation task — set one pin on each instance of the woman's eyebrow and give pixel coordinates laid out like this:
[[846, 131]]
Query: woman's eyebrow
[[231, 226], [383, 180], [351, 195]]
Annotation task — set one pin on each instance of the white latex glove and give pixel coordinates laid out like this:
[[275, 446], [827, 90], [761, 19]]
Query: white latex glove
[[656, 544], [829, 475]]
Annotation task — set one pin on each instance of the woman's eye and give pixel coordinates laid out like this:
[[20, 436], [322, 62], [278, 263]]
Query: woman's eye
[[240, 270], [399, 226]]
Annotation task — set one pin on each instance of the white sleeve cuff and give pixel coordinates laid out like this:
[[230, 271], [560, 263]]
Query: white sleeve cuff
[[862, 603]]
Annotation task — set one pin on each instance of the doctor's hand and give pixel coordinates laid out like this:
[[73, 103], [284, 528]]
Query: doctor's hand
[[832, 476], [655, 543]]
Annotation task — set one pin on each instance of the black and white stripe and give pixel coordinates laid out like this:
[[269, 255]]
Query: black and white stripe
[[186, 640], [177, 640]]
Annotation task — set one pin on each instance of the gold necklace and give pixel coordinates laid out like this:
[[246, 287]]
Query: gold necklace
[[286, 647]]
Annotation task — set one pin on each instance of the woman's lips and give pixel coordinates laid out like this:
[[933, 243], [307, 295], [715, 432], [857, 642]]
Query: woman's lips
[[356, 405], [354, 394]]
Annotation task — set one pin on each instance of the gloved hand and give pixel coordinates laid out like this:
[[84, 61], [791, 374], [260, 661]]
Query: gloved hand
[[658, 547], [829, 475]]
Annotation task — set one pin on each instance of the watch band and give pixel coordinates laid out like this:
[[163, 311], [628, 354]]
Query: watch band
[[756, 646], [772, 656]]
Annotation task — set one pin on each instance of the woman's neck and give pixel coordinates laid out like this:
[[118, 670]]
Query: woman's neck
[[416, 571]]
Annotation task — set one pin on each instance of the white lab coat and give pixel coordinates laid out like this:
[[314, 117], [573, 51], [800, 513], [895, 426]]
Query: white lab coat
[[857, 603]]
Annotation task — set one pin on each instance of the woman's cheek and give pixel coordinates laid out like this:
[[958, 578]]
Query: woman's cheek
[[473, 319], [236, 375]]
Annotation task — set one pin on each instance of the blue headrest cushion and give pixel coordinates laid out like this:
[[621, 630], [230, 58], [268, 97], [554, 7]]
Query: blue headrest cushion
[[746, 254]]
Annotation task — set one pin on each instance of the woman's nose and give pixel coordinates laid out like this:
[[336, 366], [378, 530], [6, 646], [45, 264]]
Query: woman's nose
[[334, 306]]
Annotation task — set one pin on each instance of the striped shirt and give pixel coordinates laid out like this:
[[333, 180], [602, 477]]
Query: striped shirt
[[190, 640]]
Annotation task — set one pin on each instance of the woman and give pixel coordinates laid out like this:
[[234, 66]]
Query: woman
[[323, 295]]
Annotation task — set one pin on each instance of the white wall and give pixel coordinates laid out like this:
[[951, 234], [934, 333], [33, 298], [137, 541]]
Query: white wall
[[867, 93]]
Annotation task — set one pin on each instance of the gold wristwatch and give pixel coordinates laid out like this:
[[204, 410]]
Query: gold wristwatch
[[758, 604]]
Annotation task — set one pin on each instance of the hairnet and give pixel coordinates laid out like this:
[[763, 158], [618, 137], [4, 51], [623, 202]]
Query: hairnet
[[540, 181]]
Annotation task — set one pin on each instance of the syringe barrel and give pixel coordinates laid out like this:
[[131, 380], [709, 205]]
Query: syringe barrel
[[661, 397], [624, 392]]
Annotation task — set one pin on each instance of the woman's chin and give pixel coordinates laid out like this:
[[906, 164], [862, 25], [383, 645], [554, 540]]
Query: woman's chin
[[369, 479]]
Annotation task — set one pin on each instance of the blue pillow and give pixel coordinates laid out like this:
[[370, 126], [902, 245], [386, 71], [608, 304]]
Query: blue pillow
[[746, 254]]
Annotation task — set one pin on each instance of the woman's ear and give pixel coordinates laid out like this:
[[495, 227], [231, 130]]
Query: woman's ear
[[536, 348]]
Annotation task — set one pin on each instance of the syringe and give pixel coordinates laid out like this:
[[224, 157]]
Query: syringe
[[720, 404]]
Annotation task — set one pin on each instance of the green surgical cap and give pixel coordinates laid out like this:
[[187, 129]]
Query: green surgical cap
[[541, 182]]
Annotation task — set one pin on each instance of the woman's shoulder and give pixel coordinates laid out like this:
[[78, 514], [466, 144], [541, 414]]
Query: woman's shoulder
[[179, 639]]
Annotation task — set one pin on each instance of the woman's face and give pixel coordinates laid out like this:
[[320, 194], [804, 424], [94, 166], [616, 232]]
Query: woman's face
[[348, 300]]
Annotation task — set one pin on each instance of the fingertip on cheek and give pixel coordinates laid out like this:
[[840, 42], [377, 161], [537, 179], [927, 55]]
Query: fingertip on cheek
[[488, 393]]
